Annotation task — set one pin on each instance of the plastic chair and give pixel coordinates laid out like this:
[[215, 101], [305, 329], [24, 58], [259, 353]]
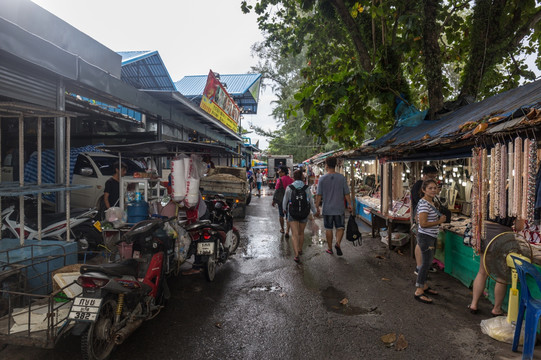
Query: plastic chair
[[528, 305]]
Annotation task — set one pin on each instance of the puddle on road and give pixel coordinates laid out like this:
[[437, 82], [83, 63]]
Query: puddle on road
[[332, 298], [269, 288]]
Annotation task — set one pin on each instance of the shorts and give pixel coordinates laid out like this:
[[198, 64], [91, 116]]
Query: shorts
[[258, 186], [280, 211], [303, 221], [336, 221], [492, 230]]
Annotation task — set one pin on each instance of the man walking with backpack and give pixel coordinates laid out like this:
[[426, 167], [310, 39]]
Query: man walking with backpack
[[333, 188], [297, 204]]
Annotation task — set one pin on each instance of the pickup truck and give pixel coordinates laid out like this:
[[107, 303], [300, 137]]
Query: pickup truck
[[229, 181]]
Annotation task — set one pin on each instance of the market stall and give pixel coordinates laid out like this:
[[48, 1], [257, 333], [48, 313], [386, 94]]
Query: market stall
[[482, 149]]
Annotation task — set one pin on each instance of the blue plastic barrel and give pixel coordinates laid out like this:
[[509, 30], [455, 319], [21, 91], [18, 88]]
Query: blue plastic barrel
[[137, 211]]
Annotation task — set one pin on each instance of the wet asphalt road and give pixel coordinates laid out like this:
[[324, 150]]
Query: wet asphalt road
[[262, 305]]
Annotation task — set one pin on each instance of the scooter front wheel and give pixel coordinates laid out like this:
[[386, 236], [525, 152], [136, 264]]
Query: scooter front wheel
[[210, 269], [98, 342]]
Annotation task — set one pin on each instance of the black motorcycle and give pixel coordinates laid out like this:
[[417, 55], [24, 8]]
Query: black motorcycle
[[216, 239]]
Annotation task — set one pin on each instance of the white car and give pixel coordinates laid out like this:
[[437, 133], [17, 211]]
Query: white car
[[95, 169]]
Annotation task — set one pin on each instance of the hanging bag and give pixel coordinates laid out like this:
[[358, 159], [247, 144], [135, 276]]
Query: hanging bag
[[278, 196], [352, 232]]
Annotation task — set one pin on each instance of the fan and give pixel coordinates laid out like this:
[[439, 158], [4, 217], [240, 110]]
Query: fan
[[500, 267]]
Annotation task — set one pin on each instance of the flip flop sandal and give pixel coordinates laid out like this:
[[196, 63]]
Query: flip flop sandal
[[420, 298], [282, 231], [328, 251], [496, 315], [431, 291], [296, 259], [473, 311]]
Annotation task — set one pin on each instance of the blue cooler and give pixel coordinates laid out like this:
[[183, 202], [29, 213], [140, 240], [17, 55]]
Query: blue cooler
[[137, 211]]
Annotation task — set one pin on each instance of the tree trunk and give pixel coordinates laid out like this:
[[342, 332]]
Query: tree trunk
[[353, 30], [432, 57]]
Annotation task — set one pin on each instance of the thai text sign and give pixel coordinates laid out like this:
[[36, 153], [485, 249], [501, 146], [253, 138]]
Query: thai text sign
[[217, 102]]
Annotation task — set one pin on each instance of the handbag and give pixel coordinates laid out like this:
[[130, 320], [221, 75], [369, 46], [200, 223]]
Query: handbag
[[278, 196], [352, 232]]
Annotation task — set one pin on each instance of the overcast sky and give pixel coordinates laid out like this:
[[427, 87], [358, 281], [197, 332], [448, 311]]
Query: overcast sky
[[192, 37]]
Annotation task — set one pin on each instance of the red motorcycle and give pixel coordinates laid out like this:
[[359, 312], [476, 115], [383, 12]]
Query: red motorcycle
[[118, 297]]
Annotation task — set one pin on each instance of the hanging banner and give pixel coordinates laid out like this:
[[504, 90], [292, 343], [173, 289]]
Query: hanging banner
[[217, 102]]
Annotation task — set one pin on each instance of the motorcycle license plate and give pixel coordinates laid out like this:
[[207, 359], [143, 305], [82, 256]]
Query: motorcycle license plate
[[84, 309], [205, 248]]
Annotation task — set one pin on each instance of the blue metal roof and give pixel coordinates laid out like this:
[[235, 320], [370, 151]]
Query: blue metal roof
[[145, 70], [243, 88], [446, 131]]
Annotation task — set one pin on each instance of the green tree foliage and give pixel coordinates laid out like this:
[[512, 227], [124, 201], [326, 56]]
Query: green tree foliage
[[364, 56]]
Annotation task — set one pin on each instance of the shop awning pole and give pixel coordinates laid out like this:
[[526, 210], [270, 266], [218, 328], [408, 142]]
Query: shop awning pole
[[21, 178], [39, 177], [67, 168], [0, 167]]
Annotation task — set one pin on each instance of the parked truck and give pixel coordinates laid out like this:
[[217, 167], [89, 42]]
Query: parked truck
[[274, 162], [231, 182]]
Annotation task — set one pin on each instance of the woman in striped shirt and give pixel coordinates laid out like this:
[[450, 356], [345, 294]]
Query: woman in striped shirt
[[429, 219]]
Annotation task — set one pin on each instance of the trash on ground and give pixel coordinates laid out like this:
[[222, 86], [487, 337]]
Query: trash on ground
[[389, 339], [499, 329], [401, 343], [344, 301]]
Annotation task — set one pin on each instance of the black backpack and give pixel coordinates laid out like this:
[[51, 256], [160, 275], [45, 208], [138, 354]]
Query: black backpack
[[352, 232], [299, 207]]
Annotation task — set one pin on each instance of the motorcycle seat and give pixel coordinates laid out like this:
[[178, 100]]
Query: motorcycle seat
[[204, 224], [127, 267]]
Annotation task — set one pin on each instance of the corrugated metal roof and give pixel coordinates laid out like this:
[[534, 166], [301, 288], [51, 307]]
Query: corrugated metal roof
[[237, 85], [145, 70]]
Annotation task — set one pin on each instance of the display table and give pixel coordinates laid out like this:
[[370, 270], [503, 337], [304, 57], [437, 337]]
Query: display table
[[379, 220]]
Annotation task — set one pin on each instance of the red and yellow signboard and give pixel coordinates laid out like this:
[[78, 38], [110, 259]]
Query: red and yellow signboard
[[217, 102]]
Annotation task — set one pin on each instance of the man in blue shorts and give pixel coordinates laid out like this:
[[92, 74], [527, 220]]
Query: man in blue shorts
[[258, 181], [333, 188]]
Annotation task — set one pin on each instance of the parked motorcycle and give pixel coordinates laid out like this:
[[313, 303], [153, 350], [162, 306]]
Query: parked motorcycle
[[221, 213], [118, 297], [216, 239], [54, 226]]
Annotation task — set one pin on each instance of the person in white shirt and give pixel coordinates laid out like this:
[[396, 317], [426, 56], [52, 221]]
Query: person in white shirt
[[258, 181]]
